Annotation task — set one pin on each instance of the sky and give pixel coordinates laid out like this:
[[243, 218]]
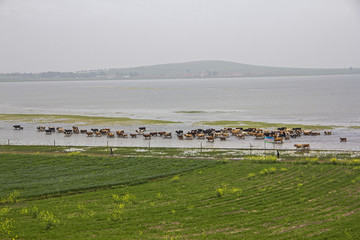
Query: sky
[[74, 35]]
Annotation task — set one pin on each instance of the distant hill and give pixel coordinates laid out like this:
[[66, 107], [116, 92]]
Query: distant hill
[[196, 69]]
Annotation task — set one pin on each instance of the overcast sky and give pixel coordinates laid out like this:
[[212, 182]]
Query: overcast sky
[[70, 35]]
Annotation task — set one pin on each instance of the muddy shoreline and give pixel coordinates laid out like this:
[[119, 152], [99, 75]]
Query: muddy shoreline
[[30, 136]]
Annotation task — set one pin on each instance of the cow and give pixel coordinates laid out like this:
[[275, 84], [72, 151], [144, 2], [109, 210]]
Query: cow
[[343, 139], [68, 132], [75, 129], [200, 136], [225, 135], [147, 136], [167, 135], [141, 130], [60, 130], [259, 135], [161, 133], [110, 134], [105, 130], [298, 146], [235, 131], [18, 127], [120, 133], [306, 146], [188, 136], [210, 138], [41, 128], [89, 134], [98, 134], [223, 138], [153, 134], [328, 133], [240, 136], [133, 135], [278, 140]]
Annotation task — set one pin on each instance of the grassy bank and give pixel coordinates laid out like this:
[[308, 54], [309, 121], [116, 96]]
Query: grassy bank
[[266, 125], [79, 120], [238, 197]]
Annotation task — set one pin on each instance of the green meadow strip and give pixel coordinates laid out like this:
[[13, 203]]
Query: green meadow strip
[[266, 125], [79, 120]]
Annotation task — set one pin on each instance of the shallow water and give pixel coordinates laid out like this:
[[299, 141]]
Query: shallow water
[[324, 100], [329, 100]]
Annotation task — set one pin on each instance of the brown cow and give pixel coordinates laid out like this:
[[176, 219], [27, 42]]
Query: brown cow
[[343, 139], [110, 134], [167, 135], [147, 136], [278, 140], [89, 134], [241, 136], [188, 136], [298, 146], [200, 136], [306, 146], [210, 138]]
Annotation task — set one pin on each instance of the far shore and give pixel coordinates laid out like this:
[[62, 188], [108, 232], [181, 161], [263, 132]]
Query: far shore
[[114, 121]]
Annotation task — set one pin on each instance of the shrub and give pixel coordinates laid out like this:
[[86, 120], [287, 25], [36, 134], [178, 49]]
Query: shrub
[[265, 171], [6, 227], [116, 214], [236, 191], [12, 198], [220, 192], [129, 198], [334, 161], [176, 178], [272, 170], [251, 175], [47, 219], [4, 211]]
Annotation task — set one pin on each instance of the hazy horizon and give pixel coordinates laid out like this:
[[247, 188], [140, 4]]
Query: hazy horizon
[[64, 35]]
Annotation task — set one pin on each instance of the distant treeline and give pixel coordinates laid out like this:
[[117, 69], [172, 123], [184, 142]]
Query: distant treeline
[[199, 69]]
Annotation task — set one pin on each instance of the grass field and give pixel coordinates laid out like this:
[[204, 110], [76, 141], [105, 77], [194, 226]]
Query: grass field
[[79, 120], [160, 194]]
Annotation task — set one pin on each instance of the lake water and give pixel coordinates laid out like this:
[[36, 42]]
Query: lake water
[[326, 100]]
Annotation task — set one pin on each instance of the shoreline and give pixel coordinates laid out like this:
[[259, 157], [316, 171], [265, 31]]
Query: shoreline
[[87, 120]]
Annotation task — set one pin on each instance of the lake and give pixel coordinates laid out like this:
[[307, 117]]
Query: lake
[[325, 100]]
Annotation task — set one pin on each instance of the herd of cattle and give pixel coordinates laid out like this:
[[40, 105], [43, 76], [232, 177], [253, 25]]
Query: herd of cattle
[[278, 136]]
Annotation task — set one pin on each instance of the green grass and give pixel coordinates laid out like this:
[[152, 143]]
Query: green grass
[[252, 124], [252, 198], [79, 120], [38, 174]]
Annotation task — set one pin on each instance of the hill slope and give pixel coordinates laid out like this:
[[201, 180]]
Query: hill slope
[[196, 69]]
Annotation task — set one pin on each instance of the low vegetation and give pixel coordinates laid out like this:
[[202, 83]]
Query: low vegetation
[[158, 196], [79, 120], [266, 125]]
